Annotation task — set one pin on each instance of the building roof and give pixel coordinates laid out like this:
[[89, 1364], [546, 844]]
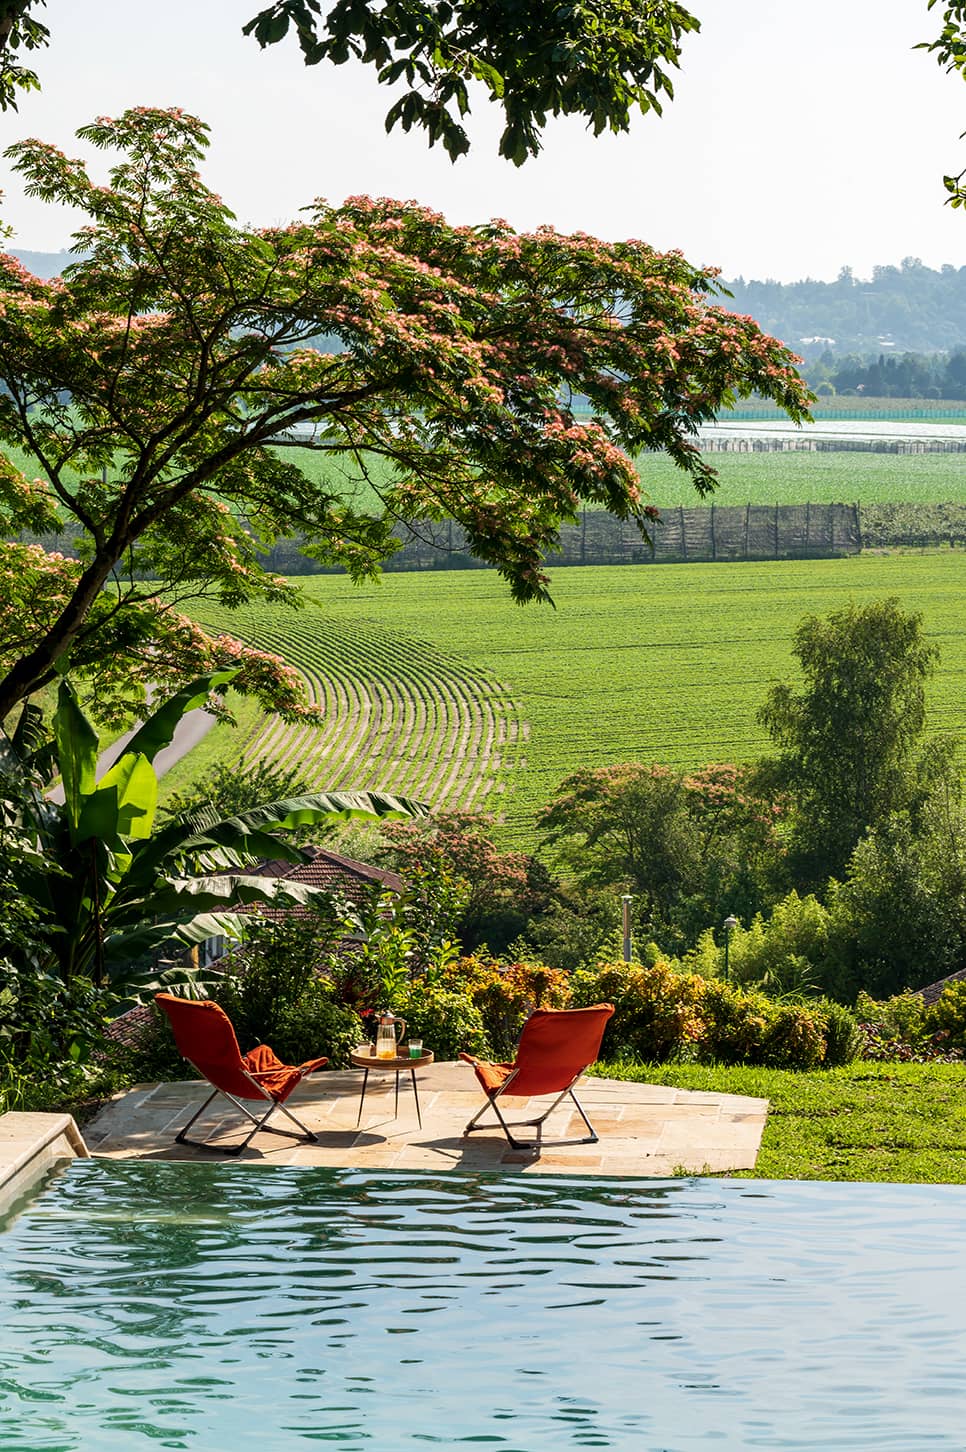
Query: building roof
[[332, 871], [932, 991], [323, 869]]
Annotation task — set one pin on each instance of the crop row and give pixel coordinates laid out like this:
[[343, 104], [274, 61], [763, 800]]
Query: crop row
[[398, 715]]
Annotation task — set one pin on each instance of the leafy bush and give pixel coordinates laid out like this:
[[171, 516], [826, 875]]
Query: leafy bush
[[794, 1038], [661, 1014], [506, 994], [947, 1016], [273, 993], [50, 1031], [786, 952], [901, 1017], [843, 1042], [317, 1023], [657, 1013], [734, 1024], [446, 1019]]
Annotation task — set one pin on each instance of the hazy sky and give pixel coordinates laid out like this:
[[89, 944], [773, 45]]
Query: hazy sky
[[802, 137]]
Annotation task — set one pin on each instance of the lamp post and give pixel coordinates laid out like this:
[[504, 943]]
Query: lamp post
[[729, 923], [626, 901]]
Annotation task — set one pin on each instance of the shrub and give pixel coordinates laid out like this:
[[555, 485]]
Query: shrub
[[273, 994], [50, 1031], [843, 1041], [153, 1055], [947, 1016], [734, 1024], [317, 1023], [794, 1038], [506, 994], [446, 1019], [657, 1013], [901, 1017], [785, 953]]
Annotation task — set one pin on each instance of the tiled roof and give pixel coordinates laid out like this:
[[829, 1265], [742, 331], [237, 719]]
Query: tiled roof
[[932, 991], [323, 869], [331, 870]]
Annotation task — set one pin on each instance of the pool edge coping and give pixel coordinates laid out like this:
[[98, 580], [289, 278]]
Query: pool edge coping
[[30, 1146]]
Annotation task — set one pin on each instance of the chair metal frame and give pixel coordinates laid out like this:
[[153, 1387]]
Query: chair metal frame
[[258, 1122], [507, 1125]]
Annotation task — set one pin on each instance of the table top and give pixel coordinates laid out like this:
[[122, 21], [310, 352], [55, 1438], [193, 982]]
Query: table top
[[364, 1057]]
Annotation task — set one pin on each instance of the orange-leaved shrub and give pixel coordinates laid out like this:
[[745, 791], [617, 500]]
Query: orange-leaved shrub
[[657, 1012], [661, 1014], [506, 993]]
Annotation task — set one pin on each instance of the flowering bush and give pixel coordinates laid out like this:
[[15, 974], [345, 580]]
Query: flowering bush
[[507, 993]]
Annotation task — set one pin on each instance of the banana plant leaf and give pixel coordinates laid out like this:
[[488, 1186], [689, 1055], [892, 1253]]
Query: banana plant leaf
[[340, 806], [77, 745], [121, 808], [158, 730]]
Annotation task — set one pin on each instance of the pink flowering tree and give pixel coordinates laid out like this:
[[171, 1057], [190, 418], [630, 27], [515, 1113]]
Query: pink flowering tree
[[164, 390]]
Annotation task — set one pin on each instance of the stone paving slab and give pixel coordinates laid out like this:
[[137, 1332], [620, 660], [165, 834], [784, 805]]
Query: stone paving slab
[[645, 1129]]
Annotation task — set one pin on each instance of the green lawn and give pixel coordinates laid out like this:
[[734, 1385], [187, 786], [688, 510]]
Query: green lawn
[[901, 1122]]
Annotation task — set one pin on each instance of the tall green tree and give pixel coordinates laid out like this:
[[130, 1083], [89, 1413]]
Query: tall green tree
[[848, 739], [599, 59], [164, 383], [690, 847]]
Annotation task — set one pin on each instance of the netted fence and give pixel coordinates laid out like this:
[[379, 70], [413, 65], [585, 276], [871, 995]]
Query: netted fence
[[733, 532]]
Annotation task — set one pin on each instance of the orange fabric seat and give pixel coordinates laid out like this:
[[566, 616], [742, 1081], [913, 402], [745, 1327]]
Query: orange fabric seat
[[205, 1037], [555, 1048]]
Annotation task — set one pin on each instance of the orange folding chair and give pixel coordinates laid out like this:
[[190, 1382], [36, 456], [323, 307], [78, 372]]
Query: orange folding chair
[[205, 1037], [555, 1048]]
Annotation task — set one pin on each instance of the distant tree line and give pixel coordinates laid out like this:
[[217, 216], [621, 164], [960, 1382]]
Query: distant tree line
[[886, 375], [911, 308]]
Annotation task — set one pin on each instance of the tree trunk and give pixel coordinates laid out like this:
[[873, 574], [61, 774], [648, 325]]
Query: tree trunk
[[34, 669]]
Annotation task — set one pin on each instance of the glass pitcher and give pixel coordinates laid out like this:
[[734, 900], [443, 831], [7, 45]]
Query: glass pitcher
[[389, 1032]]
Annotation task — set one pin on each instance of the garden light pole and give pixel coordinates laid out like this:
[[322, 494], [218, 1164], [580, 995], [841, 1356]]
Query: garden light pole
[[626, 901], [729, 923]]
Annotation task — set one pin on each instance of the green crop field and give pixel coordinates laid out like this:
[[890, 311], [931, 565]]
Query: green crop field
[[846, 477], [842, 477], [436, 684]]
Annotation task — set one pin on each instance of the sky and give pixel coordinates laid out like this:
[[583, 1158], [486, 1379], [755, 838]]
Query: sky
[[802, 138]]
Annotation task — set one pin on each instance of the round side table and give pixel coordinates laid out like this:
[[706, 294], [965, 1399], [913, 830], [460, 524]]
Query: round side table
[[364, 1057]]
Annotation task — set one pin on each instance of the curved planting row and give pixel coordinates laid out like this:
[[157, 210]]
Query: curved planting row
[[398, 715]]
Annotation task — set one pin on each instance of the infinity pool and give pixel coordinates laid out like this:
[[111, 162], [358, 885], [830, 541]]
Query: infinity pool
[[221, 1308]]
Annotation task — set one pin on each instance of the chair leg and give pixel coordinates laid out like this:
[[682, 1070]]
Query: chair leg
[[182, 1137], [507, 1126], [258, 1123]]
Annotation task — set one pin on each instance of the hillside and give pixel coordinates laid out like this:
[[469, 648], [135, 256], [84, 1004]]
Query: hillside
[[438, 685], [910, 308]]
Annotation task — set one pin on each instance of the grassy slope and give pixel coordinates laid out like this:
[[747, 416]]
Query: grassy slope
[[900, 1122]]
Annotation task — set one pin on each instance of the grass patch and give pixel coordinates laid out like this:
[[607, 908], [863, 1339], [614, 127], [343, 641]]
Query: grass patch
[[898, 1122], [223, 743]]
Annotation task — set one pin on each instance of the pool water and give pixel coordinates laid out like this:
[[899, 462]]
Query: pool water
[[226, 1308]]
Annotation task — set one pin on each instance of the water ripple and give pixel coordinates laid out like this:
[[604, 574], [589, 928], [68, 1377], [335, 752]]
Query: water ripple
[[214, 1309]]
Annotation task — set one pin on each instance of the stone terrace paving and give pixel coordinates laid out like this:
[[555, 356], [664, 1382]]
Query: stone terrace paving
[[645, 1129]]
